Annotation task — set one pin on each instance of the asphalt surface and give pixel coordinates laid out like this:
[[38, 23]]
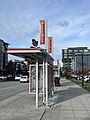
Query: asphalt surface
[[17, 104], [11, 88]]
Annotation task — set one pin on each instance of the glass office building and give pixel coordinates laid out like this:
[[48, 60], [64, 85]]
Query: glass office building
[[68, 54]]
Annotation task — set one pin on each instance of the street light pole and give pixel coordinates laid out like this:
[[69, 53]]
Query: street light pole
[[82, 71]]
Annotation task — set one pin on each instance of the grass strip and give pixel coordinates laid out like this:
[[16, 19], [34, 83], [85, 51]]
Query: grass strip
[[79, 82]]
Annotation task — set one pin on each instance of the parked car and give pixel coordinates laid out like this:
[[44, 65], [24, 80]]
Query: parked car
[[86, 78], [24, 79], [79, 77], [3, 77], [17, 77], [74, 76]]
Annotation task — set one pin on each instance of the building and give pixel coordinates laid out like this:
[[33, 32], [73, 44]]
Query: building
[[3, 54], [68, 54], [16, 67], [81, 62]]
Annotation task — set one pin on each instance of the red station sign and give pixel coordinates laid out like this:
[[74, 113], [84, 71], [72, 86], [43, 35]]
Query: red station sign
[[42, 32], [50, 44]]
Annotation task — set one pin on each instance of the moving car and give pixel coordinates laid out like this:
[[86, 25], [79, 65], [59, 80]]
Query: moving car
[[24, 79]]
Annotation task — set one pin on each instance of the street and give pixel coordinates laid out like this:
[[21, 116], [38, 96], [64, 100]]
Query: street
[[11, 88]]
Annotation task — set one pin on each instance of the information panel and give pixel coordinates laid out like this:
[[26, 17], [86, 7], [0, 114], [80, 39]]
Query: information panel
[[33, 78], [40, 79]]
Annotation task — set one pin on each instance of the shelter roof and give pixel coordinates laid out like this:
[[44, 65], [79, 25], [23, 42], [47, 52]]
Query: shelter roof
[[30, 54]]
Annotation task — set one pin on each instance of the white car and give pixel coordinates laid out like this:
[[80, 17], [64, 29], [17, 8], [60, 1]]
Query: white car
[[17, 77], [24, 79], [3, 77], [86, 78]]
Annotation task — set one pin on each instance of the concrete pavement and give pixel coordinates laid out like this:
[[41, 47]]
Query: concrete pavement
[[70, 102]]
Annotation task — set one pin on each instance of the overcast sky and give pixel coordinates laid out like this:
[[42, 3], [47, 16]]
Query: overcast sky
[[68, 22]]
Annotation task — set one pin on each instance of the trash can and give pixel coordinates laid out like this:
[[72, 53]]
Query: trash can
[[57, 81]]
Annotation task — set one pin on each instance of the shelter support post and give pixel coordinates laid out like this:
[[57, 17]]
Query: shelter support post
[[37, 92], [43, 80], [46, 81]]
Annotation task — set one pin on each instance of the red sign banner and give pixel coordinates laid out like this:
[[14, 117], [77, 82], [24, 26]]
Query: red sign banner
[[42, 32], [50, 44]]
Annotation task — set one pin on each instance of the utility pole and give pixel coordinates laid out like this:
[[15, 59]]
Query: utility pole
[[82, 71]]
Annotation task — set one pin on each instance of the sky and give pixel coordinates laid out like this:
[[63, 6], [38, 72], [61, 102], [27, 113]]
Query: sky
[[68, 23]]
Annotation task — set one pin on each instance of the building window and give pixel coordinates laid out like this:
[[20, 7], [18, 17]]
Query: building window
[[65, 55], [65, 51], [70, 51], [81, 51], [85, 50], [75, 51]]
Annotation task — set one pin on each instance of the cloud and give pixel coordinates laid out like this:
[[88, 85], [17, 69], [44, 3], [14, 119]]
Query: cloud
[[73, 27], [32, 34], [82, 25], [63, 23], [72, 33], [84, 33], [83, 13]]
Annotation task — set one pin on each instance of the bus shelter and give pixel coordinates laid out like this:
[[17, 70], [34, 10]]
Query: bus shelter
[[40, 71]]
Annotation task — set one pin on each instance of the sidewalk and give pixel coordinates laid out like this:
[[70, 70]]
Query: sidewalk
[[72, 103]]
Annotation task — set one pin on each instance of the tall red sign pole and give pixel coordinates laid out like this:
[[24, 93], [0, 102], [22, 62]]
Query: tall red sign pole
[[43, 41]]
